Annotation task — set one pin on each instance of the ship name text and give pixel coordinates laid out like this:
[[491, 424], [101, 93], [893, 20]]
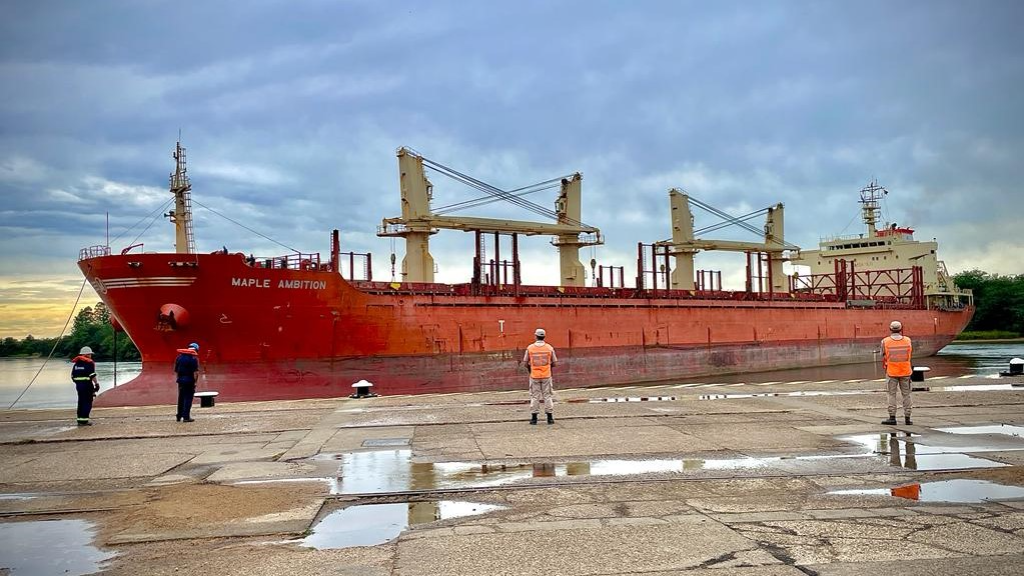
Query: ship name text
[[265, 283]]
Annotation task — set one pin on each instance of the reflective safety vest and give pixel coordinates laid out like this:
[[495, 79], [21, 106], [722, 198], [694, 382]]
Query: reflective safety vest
[[83, 370], [540, 355], [896, 356]]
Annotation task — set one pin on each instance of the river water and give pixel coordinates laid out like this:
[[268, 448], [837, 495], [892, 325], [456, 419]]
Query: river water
[[52, 388]]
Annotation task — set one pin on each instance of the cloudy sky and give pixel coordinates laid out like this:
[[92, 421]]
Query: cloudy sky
[[292, 111]]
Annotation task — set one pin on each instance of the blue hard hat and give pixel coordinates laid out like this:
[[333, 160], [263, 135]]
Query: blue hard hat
[[194, 346]]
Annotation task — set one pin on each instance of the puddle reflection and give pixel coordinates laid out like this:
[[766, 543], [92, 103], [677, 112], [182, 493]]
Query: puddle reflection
[[61, 547], [961, 490], [381, 471], [394, 471], [905, 450], [373, 524]]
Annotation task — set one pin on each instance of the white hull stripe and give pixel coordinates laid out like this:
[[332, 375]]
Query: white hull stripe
[[112, 283]]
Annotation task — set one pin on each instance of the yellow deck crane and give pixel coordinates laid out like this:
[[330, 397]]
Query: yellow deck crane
[[418, 221], [684, 245]]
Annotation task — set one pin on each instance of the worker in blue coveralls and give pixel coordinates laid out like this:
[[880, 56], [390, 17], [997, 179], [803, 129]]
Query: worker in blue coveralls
[[186, 366], [83, 374]]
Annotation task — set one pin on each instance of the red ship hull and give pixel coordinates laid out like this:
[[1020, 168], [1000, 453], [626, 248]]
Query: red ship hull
[[270, 333]]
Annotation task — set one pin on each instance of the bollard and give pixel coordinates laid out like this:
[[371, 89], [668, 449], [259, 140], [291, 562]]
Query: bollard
[[363, 390], [206, 399], [918, 374], [1016, 368]]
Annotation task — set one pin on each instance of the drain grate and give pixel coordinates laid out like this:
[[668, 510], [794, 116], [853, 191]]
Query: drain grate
[[377, 442]]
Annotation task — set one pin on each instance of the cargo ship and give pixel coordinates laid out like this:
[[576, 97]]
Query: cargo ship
[[305, 326]]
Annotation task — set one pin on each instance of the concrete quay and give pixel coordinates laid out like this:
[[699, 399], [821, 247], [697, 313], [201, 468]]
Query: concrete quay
[[765, 479]]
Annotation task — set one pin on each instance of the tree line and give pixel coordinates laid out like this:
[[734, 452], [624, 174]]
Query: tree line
[[91, 328], [998, 301]]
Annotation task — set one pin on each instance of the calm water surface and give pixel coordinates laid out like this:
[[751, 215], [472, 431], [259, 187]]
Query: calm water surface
[[53, 387]]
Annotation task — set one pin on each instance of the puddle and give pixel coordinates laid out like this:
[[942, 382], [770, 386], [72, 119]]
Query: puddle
[[965, 388], [962, 491], [332, 483], [50, 547], [631, 399], [373, 524], [1006, 429], [905, 450], [978, 388], [784, 394], [384, 471], [20, 496], [886, 442], [394, 471], [383, 442]]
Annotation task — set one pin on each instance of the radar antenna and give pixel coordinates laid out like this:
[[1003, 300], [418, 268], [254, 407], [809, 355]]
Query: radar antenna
[[869, 197]]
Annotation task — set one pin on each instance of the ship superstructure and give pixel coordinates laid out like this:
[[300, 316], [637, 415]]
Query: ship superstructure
[[886, 248]]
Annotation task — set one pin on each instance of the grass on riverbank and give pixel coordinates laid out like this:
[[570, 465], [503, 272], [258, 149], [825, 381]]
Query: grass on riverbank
[[988, 335]]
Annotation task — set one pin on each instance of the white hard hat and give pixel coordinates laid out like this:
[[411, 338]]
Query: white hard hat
[[895, 326], [85, 350], [539, 332]]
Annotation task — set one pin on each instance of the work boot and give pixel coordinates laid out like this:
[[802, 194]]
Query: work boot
[[85, 423], [907, 420], [533, 419], [551, 418], [890, 422], [187, 420]]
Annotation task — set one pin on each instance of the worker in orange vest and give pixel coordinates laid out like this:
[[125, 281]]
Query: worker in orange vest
[[540, 357], [896, 353]]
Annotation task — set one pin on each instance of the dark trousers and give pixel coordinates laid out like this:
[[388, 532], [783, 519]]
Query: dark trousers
[[85, 392], [186, 392]]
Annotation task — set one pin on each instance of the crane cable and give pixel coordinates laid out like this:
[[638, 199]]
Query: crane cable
[[499, 193], [264, 236], [489, 189], [538, 187]]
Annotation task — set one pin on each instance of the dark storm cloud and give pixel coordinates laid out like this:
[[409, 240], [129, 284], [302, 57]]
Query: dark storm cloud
[[291, 112]]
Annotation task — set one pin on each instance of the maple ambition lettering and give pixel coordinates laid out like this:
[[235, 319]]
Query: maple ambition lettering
[[266, 283]]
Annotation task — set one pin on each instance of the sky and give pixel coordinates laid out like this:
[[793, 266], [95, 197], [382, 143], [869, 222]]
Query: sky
[[291, 113]]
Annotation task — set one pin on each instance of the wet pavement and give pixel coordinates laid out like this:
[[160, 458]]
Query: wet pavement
[[748, 476]]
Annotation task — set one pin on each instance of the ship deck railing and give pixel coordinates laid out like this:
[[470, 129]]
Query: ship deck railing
[[469, 289], [296, 261], [93, 252]]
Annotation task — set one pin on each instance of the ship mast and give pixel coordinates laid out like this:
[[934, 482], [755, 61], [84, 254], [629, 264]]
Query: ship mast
[[181, 216], [869, 197]]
